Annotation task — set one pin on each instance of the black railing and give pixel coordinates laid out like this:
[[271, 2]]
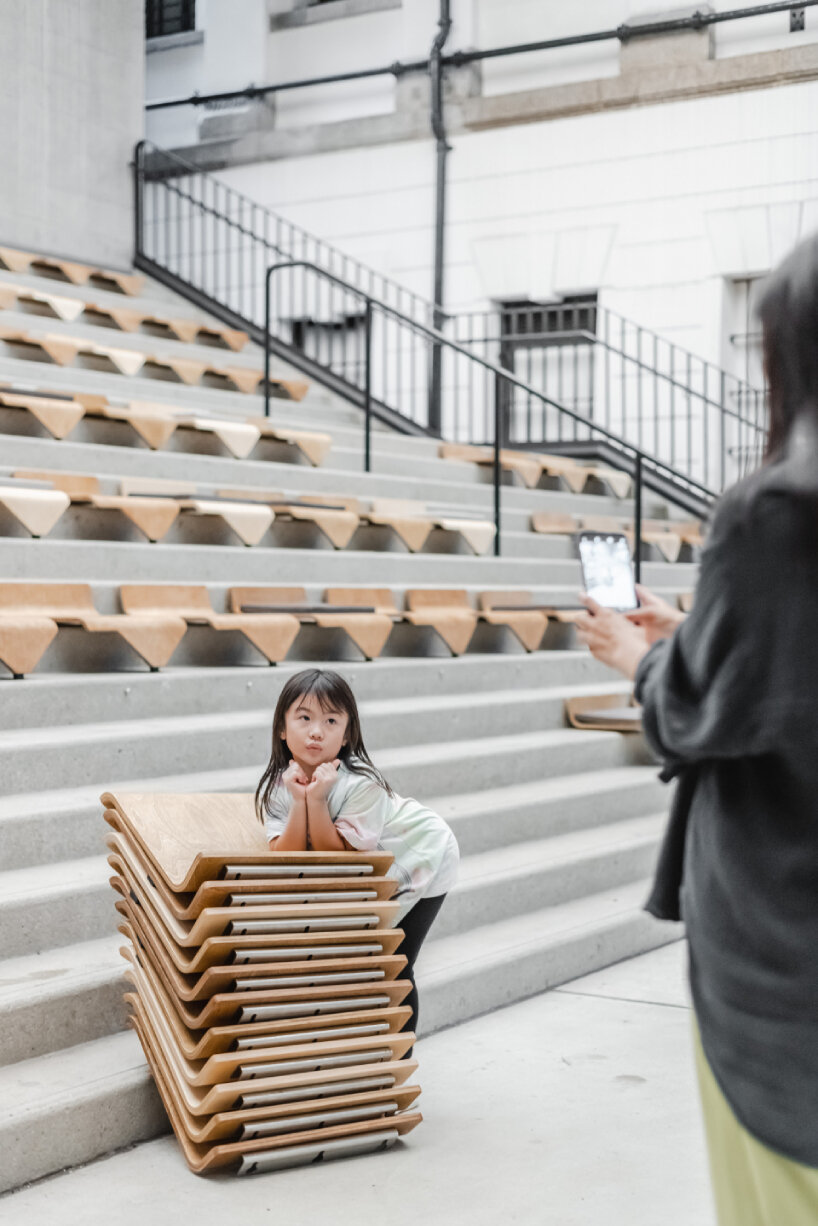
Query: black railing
[[695, 417], [237, 260]]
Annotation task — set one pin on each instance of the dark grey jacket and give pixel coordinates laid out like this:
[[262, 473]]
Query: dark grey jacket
[[731, 706]]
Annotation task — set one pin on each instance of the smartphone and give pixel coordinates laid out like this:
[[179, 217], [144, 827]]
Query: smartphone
[[607, 569]]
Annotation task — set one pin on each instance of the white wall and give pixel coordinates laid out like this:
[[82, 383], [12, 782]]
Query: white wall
[[71, 110]]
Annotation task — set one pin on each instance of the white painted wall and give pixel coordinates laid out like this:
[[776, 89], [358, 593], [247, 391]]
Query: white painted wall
[[71, 110]]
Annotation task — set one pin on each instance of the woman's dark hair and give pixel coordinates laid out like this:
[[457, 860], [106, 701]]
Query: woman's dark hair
[[788, 310], [332, 694]]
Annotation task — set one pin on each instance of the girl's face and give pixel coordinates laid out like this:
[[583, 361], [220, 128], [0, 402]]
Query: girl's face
[[313, 734]]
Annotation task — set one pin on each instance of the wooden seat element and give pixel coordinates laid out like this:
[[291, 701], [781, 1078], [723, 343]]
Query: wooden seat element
[[528, 625], [38, 510], [154, 517], [24, 639], [248, 520], [447, 611], [618, 482], [604, 713], [312, 444], [368, 631], [654, 532], [67, 309], [272, 633], [55, 414], [413, 522], [685, 601], [238, 437], [201, 1157], [553, 523], [529, 466], [76, 273], [338, 520], [153, 636]]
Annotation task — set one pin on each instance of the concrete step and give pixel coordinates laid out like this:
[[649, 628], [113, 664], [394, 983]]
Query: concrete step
[[521, 878], [61, 997], [70, 994], [86, 752], [493, 965], [46, 701], [71, 1106], [51, 904], [111, 562]]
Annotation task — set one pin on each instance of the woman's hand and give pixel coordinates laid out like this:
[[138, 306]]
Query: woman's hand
[[611, 638], [655, 616], [323, 781], [295, 781]]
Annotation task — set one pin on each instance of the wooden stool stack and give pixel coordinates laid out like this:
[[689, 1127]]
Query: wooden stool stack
[[266, 987]]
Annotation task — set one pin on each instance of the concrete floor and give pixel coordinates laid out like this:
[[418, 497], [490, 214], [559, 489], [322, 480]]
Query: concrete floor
[[575, 1108]]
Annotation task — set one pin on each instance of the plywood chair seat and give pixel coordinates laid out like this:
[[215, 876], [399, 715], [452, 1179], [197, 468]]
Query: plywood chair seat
[[523, 602], [447, 611], [237, 437], [248, 520], [413, 521], [337, 519], [604, 713], [313, 444], [200, 1044], [685, 601], [37, 510], [71, 270], [528, 625], [24, 638], [368, 631], [153, 636], [56, 414], [154, 517], [272, 633], [192, 838]]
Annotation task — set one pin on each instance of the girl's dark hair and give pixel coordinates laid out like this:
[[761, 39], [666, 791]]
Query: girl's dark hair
[[788, 309], [333, 694]]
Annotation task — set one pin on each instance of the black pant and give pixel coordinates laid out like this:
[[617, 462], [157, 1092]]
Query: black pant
[[416, 924]]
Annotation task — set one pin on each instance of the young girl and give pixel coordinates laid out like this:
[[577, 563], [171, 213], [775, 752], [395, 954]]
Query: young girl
[[322, 792]]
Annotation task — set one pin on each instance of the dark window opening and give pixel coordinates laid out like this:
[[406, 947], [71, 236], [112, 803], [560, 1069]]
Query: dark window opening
[[169, 17]]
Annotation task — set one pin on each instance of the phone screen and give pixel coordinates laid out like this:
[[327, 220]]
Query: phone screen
[[607, 570]]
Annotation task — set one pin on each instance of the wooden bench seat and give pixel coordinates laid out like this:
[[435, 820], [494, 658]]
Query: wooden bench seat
[[63, 349], [153, 517], [248, 520], [36, 509], [71, 270], [448, 613], [56, 414], [367, 630], [667, 536], [604, 713], [337, 519], [414, 521], [273, 634], [127, 319], [154, 636]]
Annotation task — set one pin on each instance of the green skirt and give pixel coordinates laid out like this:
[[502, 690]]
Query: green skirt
[[752, 1185]]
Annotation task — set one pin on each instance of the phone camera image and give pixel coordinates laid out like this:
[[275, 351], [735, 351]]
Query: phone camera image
[[607, 570]]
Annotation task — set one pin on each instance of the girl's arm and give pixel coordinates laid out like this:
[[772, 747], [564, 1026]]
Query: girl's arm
[[322, 833], [294, 835]]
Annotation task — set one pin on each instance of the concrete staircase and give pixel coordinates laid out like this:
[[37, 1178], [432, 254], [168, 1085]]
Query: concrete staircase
[[558, 828]]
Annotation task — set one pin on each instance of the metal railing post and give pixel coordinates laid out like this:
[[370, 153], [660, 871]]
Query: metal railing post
[[138, 216], [498, 419], [637, 518], [368, 386], [268, 276]]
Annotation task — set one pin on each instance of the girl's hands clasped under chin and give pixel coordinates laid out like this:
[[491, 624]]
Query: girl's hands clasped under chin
[[323, 781], [295, 781]]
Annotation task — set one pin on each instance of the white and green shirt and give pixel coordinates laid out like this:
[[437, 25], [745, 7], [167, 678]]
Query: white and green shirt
[[369, 819]]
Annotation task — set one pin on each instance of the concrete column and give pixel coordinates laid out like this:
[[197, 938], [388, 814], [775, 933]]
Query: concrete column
[[71, 110]]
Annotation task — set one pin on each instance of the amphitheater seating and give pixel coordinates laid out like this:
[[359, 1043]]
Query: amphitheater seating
[[530, 467], [70, 270], [603, 713], [153, 635], [29, 506], [126, 319], [63, 349], [152, 516], [332, 517], [667, 536], [257, 1005], [367, 629], [247, 520], [270, 633]]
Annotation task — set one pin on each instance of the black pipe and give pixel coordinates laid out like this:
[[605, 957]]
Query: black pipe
[[697, 21], [442, 151]]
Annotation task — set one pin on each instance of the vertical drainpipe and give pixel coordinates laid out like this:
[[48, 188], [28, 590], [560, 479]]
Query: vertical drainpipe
[[439, 130]]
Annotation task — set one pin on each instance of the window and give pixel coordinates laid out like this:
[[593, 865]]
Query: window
[[169, 17]]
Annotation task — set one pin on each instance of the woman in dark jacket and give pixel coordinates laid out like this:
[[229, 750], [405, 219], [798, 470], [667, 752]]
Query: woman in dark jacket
[[730, 704]]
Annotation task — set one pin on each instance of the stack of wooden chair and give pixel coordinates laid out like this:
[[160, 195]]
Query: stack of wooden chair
[[264, 987]]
